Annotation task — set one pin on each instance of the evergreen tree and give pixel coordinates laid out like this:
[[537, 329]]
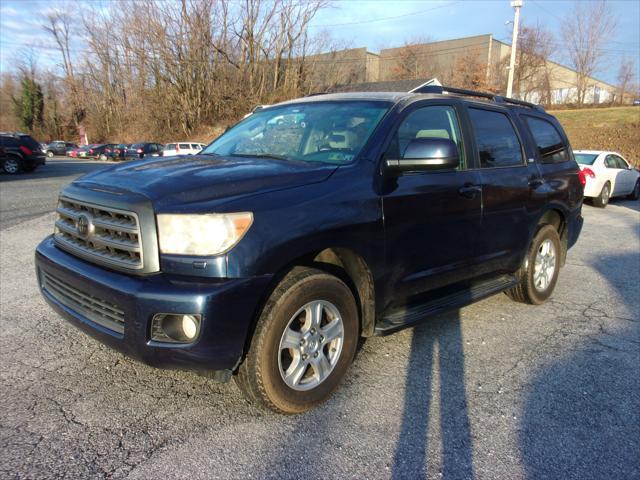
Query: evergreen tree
[[29, 106]]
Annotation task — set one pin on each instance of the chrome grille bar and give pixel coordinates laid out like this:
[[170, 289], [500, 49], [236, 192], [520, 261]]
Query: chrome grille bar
[[98, 233]]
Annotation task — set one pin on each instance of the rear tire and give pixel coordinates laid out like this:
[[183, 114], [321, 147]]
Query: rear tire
[[11, 165], [635, 195], [602, 200], [538, 276], [304, 342]]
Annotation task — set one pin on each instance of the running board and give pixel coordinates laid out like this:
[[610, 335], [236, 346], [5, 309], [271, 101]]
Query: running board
[[407, 317]]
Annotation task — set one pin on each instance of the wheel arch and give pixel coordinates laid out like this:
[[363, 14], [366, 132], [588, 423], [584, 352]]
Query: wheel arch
[[556, 217], [342, 262]]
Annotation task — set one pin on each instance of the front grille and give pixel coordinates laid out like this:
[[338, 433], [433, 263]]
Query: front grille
[[99, 311], [100, 234]]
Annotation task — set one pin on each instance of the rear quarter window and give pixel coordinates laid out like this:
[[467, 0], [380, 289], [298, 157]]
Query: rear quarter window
[[549, 143]]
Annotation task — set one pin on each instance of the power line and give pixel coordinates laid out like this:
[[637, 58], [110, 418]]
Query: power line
[[382, 19]]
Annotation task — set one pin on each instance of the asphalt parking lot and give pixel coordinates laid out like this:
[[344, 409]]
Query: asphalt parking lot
[[497, 390]]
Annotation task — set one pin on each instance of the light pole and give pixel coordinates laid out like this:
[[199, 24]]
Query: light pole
[[517, 4]]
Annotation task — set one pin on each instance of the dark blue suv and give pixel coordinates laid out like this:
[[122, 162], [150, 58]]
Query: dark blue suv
[[310, 224]]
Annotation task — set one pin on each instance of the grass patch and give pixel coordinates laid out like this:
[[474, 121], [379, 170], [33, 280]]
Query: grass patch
[[616, 129]]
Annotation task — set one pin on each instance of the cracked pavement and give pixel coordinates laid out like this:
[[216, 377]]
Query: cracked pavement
[[496, 390]]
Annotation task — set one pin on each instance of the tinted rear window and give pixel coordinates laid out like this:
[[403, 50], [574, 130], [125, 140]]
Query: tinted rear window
[[28, 141], [549, 142], [585, 158]]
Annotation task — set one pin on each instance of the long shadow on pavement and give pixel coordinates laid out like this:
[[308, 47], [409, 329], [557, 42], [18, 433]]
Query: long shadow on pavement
[[443, 334], [582, 415]]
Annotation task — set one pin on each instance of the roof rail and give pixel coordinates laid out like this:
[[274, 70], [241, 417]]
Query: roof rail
[[473, 93]]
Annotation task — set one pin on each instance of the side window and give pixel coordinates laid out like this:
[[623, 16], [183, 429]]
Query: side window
[[498, 144], [438, 121], [621, 163], [548, 140], [610, 162]]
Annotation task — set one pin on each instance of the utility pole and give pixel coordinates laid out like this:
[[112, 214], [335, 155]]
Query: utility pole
[[517, 4]]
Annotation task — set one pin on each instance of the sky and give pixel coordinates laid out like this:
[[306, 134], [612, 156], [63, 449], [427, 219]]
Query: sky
[[374, 24]]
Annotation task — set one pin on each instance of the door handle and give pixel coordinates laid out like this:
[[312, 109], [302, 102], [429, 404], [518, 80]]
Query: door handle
[[470, 191]]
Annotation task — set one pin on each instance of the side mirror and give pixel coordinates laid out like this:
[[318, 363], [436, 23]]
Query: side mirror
[[424, 154]]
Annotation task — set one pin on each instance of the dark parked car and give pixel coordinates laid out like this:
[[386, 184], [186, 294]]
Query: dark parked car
[[100, 151], [117, 152], [20, 153], [266, 256], [141, 150], [59, 148]]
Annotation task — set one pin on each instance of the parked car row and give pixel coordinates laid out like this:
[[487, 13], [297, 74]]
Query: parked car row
[[121, 151]]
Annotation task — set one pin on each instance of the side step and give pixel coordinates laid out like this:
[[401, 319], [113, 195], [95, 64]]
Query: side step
[[407, 317]]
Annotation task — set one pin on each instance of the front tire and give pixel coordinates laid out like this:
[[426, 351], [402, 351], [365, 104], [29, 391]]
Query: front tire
[[602, 200], [303, 344], [103, 157], [50, 154], [538, 276]]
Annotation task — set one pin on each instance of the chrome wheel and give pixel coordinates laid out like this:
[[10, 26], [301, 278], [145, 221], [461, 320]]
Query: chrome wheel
[[11, 165], [311, 345], [545, 265]]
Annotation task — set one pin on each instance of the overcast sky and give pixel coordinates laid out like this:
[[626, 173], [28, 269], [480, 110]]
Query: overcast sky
[[374, 24]]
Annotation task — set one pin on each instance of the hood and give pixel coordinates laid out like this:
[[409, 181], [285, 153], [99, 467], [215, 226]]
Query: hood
[[184, 180]]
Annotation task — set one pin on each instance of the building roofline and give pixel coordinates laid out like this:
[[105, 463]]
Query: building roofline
[[558, 64]]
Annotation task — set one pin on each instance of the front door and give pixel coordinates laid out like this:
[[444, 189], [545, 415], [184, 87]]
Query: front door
[[431, 218]]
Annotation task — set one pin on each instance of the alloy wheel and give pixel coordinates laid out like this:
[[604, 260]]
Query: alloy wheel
[[545, 265], [11, 166], [311, 345]]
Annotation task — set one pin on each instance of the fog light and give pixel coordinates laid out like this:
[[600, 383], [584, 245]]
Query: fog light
[[189, 326], [175, 328]]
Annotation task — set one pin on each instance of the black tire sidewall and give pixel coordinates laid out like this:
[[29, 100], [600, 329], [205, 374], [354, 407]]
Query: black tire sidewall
[[319, 286], [635, 194], [545, 232]]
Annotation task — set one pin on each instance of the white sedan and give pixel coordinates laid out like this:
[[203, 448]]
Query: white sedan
[[607, 175], [184, 148]]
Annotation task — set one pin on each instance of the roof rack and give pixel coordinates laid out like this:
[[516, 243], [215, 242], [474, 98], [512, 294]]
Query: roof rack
[[473, 93]]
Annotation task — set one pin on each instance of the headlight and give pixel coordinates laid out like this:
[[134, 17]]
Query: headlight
[[209, 234]]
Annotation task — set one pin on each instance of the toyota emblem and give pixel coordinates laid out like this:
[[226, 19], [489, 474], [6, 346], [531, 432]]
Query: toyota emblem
[[84, 226]]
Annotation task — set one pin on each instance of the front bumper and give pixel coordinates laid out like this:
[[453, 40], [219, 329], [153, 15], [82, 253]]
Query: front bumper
[[228, 307]]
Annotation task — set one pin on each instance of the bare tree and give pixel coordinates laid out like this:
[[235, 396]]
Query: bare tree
[[585, 30], [626, 75], [535, 46]]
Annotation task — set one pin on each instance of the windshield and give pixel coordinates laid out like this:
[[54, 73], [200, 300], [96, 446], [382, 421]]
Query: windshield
[[585, 158], [329, 132]]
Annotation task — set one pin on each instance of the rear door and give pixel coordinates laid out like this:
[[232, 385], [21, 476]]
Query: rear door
[[431, 218], [508, 181]]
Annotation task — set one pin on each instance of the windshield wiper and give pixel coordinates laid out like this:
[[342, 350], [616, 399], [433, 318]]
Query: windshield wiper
[[260, 155]]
